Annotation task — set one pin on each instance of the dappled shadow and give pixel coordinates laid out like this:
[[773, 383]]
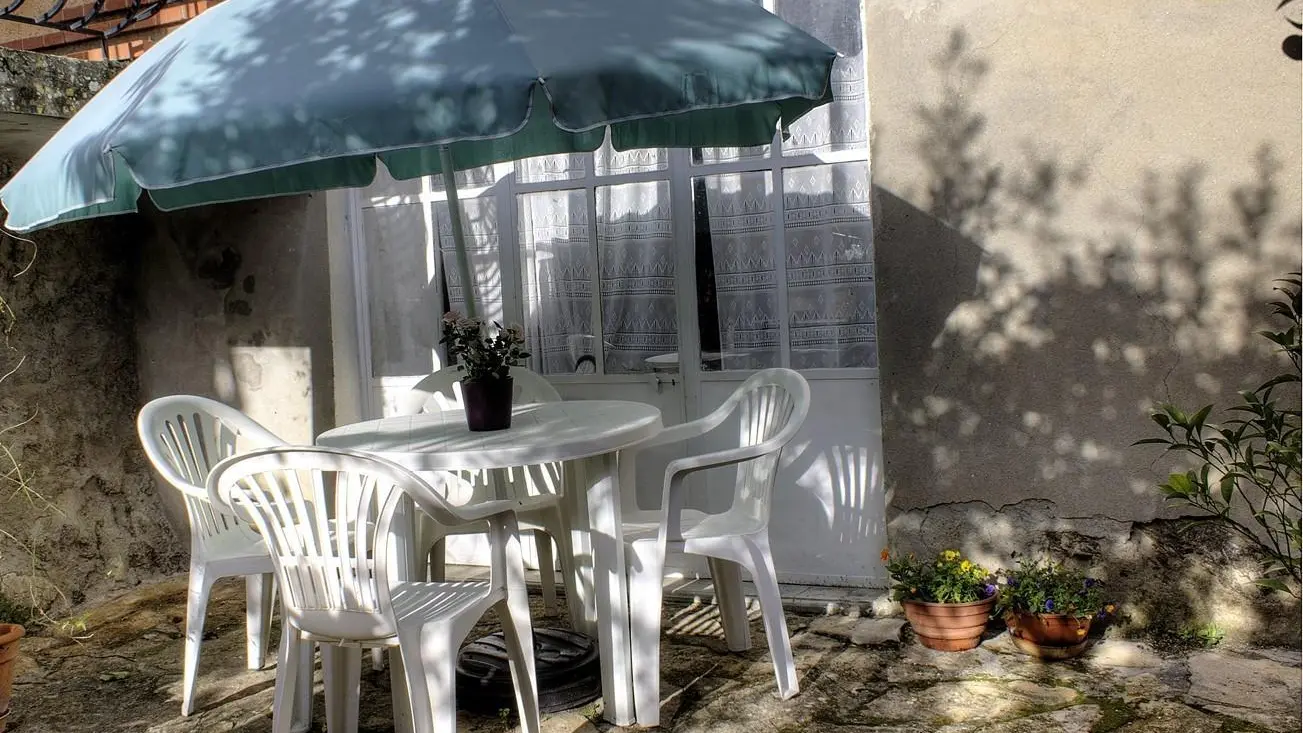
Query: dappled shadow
[[1023, 343]]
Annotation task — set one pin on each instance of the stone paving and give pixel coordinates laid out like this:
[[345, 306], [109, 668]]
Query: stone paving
[[117, 668]]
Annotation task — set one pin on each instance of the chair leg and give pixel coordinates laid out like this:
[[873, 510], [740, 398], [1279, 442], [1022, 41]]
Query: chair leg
[[518, 632], [761, 567], [200, 585], [646, 577], [546, 570], [259, 592], [438, 561], [430, 664], [402, 702], [301, 716], [378, 659], [341, 666], [284, 712], [727, 577]]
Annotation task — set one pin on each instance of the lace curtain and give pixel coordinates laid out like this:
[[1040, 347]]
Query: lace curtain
[[825, 244]]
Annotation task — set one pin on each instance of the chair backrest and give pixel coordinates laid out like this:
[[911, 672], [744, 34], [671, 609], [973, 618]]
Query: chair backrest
[[770, 406], [185, 436], [442, 391], [327, 515]]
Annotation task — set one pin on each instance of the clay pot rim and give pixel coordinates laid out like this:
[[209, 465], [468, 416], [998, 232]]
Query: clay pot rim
[[974, 604], [1087, 617], [10, 633]]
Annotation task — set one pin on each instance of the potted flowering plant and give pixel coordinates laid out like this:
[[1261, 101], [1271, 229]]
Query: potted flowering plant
[[486, 361], [947, 600], [1049, 607], [10, 633]]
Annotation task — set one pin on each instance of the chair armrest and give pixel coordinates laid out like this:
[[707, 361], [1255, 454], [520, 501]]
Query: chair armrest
[[484, 510], [680, 468]]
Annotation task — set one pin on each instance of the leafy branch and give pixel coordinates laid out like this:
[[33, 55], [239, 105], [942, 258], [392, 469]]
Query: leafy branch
[[1247, 472]]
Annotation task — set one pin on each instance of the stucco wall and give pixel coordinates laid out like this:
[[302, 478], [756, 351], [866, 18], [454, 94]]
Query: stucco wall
[[79, 514], [1078, 213], [234, 304]]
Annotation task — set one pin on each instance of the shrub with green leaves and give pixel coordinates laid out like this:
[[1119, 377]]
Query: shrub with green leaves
[[1045, 586], [951, 578], [1247, 470]]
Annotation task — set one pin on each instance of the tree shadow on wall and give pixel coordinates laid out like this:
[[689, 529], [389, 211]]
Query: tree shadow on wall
[[1025, 342]]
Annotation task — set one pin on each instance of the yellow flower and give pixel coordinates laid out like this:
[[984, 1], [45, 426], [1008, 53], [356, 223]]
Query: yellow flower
[[913, 590], [965, 565], [886, 554], [950, 555], [1109, 608]]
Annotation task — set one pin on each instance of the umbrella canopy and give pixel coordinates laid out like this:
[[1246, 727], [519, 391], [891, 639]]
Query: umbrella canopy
[[259, 98]]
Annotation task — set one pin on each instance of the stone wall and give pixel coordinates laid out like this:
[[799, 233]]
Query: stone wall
[[1078, 214], [79, 514]]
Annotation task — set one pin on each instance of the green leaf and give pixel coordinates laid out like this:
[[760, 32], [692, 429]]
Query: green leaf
[[1201, 416], [1228, 487], [1180, 484], [1272, 583], [1152, 441]]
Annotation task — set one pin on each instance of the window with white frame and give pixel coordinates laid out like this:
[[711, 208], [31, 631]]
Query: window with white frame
[[593, 253]]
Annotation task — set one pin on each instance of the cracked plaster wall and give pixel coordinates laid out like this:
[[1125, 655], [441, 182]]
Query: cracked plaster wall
[[1076, 215], [235, 305], [89, 520]]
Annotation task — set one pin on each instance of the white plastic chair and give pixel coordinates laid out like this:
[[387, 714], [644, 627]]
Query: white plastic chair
[[770, 408], [537, 487], [340, 549], [184, 437]]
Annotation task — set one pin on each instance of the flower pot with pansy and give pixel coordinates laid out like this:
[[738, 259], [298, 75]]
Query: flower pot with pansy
[[1049, 607], [947, 600]]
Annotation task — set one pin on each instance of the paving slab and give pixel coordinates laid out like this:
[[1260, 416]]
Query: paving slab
[[122, 674]]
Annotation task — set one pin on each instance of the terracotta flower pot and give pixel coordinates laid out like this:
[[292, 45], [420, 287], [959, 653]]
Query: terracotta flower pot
[[1048, 635], [9, 636], [949, 627], [487, 404]]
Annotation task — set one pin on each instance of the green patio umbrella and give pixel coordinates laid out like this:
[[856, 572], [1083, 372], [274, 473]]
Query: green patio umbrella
[[258, 98]]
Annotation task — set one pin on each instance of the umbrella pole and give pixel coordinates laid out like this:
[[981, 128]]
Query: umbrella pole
[[458, 235]]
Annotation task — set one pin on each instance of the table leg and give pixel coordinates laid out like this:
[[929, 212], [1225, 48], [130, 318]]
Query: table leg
[[581, 603], [610, 587]]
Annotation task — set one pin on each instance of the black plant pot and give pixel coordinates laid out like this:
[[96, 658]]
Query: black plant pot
[[488, 404]]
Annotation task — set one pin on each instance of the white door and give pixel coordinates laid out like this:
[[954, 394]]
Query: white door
[[667, 277]]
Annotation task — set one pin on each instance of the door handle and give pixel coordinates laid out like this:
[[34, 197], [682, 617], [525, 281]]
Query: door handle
[[660, 380]]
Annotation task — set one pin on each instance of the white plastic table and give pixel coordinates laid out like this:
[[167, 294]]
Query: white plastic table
[[587, 435]]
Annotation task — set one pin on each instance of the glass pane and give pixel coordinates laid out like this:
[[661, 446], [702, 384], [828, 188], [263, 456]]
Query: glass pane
[[557, 259], [564, 167], [841, 125], [608, 162], [480, 224], [635, 238], [736, 275], [404, 309], [830, 289], [706, 156]]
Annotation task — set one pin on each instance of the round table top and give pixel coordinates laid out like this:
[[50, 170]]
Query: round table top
[[539, 433]]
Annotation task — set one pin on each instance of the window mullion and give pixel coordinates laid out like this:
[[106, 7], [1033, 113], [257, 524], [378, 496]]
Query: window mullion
[[780, 256], [595, 277], [509, 256]]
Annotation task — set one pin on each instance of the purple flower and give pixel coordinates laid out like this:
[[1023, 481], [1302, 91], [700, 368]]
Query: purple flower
[[1090, 582], [989, 590], [1049, 605]]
